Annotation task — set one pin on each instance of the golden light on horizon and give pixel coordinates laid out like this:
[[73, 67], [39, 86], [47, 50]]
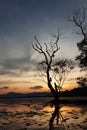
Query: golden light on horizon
[[26, 81]]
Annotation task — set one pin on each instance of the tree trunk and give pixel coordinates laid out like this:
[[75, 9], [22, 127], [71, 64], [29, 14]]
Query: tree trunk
[[56, 97], [53, 91]]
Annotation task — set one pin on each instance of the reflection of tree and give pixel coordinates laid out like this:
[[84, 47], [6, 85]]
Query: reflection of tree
[[54, 115], [58, 116]]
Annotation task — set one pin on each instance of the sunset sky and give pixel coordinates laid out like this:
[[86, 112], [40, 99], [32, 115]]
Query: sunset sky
[[20, 20]]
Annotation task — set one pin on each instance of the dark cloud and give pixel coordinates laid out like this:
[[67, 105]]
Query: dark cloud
[[36, 87], [16, 63], [10, 66], [4, 87], [12, 82], [8, 72]]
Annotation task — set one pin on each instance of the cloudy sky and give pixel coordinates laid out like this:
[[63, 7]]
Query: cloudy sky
[[20, 20]]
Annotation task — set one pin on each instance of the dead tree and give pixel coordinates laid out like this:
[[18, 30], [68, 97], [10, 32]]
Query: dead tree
[[56, 71]]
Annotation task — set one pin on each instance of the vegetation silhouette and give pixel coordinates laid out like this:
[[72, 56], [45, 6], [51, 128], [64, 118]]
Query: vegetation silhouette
[[79, 18], [55, 70]]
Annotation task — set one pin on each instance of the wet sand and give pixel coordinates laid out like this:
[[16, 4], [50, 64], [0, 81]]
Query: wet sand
[[34, 114]]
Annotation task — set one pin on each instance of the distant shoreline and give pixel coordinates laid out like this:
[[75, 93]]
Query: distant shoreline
[[76, 95], [49, 100]]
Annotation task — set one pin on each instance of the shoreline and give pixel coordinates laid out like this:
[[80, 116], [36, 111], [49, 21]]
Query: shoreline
[[62, 100]]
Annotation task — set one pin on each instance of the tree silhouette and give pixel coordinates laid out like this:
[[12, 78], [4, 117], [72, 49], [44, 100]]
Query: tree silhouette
[[79, 18], [55, 72], [61, 70], [48, 51], [82, 81]]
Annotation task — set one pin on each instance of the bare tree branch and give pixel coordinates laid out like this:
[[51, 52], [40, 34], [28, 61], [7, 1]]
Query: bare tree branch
[[49, 53], [47, 50], [80, 20]]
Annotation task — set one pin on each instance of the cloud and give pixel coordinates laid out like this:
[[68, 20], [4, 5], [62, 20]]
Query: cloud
[[14, 67], [15, 56], [36, 87], [4, 87]]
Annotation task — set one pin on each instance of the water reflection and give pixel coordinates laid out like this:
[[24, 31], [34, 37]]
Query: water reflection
[[37, 114], [56, 116], [70, 116]]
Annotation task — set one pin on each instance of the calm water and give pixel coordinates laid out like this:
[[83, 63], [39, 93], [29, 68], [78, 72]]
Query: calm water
[[36, 113]]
